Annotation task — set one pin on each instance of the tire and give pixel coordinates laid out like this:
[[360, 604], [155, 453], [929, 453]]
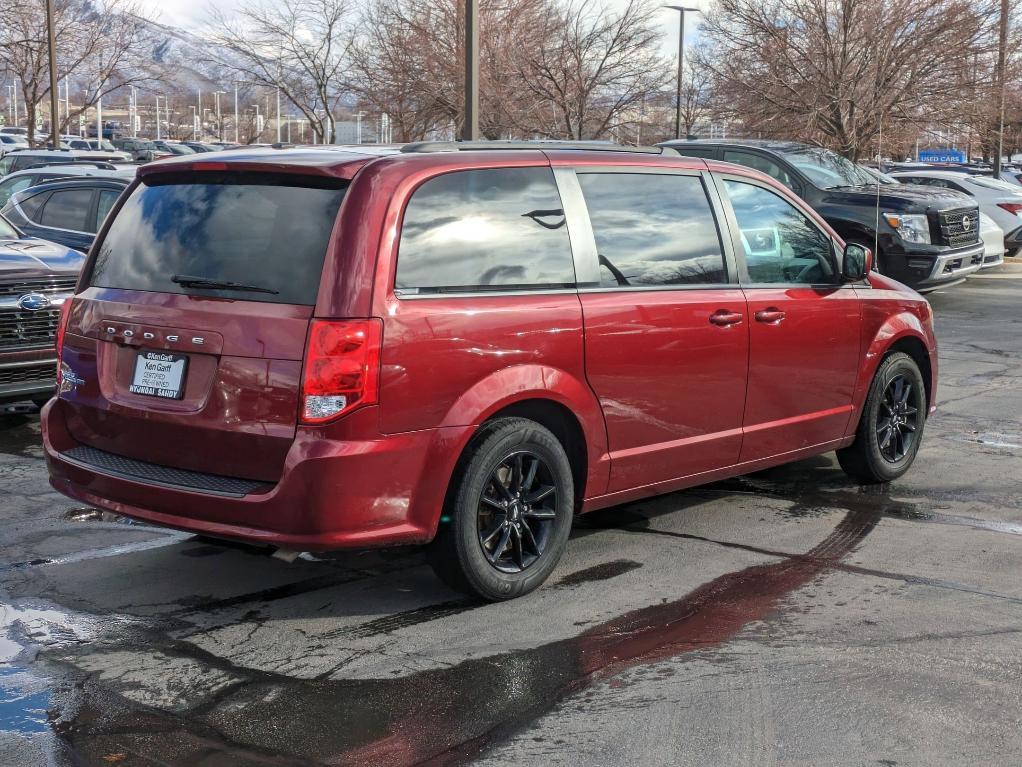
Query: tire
[[882, 454], [493, 543]]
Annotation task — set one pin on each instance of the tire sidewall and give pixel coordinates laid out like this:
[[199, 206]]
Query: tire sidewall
[[481, 575], [898, 364]]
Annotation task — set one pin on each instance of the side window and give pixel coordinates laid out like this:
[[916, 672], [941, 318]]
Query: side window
[[495, 229], [14, 185], [107, 198], [760, 163], [653, 229], [781, 244], [32, 206], [706, 152], [68, 209]]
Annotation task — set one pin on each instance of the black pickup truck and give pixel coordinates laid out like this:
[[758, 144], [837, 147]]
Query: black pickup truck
[[36, 277], [926, 238]]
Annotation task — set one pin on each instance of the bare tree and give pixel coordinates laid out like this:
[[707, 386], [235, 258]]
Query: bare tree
[[408, 64], [95, 40], [299, 46], [839, 72], [596, 68]]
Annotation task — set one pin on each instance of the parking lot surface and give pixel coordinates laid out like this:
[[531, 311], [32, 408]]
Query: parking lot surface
[[789, 617]]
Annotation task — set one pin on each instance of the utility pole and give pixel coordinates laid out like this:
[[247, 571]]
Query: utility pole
[[134, 112], [470, 128], [681, 61], [54, 96], [1002, 52], [99, 119]]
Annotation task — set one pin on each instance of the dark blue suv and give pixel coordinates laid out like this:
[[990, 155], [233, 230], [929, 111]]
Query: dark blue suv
[[67, 212]]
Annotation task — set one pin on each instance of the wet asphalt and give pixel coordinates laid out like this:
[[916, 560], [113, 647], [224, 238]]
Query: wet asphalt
[[790, 617]]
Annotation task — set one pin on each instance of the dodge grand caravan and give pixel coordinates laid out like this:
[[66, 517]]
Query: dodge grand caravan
[[466, 345]]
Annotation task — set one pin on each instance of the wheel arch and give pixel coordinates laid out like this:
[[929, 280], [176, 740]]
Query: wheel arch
[[902, 332]]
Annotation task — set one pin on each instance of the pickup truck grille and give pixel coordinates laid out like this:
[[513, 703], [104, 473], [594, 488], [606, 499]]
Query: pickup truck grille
[[25, 330], [32, 374], [41, 285], [952, 227]]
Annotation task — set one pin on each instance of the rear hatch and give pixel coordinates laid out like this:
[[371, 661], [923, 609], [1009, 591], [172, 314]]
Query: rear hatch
[[184, 347]]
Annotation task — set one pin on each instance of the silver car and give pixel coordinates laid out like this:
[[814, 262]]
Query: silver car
[[1000, 200]]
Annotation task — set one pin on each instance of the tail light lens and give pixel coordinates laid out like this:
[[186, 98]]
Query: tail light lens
[[1011, 207], [342, 368], [65, 310]]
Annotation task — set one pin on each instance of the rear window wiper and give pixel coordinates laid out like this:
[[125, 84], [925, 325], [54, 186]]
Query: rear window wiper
[[188, 281]]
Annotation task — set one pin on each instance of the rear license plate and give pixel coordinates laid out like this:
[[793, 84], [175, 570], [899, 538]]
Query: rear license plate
[[158, 374]]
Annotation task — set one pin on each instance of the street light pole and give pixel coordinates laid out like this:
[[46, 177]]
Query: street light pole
[[278, 114], [134, 112], [157, 118], [470, 128], [1002, 50], [54, 96], [237, 140], [219, 120], [681, 60]]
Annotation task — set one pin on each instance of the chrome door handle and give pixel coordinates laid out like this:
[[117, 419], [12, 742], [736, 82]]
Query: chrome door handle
[[725, 317], [770, 316]]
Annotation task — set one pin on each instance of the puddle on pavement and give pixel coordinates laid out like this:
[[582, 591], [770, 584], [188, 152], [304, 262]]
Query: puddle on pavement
[[24, 700], [89, 514], [601, 572], [449, 715]]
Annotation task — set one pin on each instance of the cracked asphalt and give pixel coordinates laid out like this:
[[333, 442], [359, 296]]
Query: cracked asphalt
[[790, 617]]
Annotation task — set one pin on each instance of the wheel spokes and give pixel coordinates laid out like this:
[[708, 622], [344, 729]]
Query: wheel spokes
[[501, 545], [516, 511], [540, 494]]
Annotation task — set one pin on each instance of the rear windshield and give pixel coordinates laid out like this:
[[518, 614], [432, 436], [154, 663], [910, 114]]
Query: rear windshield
[[263, 230]]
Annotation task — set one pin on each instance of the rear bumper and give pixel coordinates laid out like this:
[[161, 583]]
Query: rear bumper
[[343, 486]]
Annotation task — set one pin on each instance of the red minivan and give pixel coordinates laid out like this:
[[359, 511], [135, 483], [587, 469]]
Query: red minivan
[[467, 345]]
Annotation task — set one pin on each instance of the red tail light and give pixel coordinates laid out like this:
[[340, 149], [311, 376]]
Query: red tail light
[[1011, 207], [342, 368], [65, 310]]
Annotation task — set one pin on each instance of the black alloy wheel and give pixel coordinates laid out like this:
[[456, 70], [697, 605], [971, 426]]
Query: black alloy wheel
[[897, 419], [890, 429], [516, 512], [508, 513]]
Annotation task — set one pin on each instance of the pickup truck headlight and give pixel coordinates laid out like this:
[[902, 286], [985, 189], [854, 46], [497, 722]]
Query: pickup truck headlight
[[911, 227]]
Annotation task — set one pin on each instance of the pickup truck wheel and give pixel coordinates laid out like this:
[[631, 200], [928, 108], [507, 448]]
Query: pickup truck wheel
[[509, 512], [891, 426]]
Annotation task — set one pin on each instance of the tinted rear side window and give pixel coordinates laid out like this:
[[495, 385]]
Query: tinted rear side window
[[265, 230], [653, 230], [68, 209], [499, 229]]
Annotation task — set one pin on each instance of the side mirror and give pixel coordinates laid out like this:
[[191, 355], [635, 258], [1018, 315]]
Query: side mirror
[[857, 262]]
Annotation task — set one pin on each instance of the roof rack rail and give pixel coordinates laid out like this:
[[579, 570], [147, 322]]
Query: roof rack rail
[[589, 146], [99, 164]]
